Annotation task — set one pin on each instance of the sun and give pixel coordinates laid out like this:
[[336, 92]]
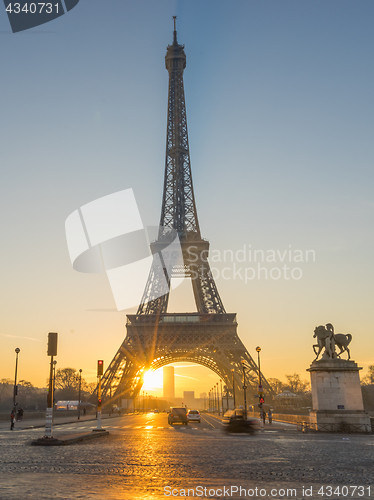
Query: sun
[[153, 380]]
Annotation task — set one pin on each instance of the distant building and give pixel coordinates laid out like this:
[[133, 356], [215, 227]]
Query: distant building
[[189, 398], [168, 385], [203, 395]]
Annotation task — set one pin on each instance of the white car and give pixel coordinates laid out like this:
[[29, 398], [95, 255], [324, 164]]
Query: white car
[[194, 416]]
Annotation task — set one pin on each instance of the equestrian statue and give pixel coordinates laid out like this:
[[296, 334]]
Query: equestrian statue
[[327, 339]]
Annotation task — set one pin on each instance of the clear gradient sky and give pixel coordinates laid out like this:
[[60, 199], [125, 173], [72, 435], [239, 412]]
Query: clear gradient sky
[[280, 113]]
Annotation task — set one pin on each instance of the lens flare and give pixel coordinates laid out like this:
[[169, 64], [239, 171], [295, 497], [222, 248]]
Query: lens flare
[[153, 380]]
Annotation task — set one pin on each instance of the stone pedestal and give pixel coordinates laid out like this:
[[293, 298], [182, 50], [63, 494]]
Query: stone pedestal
[[337, 397]]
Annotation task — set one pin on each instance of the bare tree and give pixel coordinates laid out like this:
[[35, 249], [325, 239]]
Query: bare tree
[[369, 378], [6, 392], [296, 385], [67, 385], [276, 385]]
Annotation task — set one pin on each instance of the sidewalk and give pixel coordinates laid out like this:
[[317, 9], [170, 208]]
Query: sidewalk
[[40, 422]]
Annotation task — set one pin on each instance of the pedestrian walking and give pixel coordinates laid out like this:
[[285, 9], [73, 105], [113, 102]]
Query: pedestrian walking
[[263, 416], [270, 417], [12, 418]]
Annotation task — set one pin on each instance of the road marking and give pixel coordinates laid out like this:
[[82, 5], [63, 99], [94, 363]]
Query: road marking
[[209, 422]]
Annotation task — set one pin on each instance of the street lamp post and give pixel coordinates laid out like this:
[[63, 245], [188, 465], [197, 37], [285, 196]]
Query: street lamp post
[[258, 349], [79, 394], [227, 393], [260, 392], [100, 371], [244, 390], [218, 405], [233, 386], [17, 351], [214, 398], [221, 396]]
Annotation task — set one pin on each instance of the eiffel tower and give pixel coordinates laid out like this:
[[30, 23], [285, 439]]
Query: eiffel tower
[[155, 337]]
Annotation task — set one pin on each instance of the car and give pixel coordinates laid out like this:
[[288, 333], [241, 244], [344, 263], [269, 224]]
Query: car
[[194, 415], [177, 415], [156, 411], [235, 421]]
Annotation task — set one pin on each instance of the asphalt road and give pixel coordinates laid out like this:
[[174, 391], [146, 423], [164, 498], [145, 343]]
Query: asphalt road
[[145, 458]]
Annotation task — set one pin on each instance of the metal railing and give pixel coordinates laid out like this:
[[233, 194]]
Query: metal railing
[[342, 427]]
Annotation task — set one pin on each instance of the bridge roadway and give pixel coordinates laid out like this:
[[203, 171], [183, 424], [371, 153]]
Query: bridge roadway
[[143, 455]]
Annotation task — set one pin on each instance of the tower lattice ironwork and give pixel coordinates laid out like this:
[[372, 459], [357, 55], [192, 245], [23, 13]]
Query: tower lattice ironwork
[[154, 337]]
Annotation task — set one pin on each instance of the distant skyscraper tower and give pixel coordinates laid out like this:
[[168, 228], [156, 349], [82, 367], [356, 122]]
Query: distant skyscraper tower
[[168, 387], [189, 398]]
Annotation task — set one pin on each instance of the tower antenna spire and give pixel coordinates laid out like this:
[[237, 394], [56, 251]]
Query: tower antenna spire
[[175, 29]]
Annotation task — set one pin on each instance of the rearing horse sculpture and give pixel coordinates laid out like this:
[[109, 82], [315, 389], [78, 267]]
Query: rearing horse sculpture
[[328, 340]]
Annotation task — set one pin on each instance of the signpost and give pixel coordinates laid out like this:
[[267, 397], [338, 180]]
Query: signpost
[[52, 351]]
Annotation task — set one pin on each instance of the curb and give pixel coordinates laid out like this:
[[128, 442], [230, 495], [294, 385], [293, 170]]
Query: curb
[[69, 439]]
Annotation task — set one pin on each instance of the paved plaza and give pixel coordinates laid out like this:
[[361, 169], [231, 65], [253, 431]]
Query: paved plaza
[[145, 458]]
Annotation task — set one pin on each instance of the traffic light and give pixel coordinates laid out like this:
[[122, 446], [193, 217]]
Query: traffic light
[[261, 399], [100, 366], [52, 344]]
